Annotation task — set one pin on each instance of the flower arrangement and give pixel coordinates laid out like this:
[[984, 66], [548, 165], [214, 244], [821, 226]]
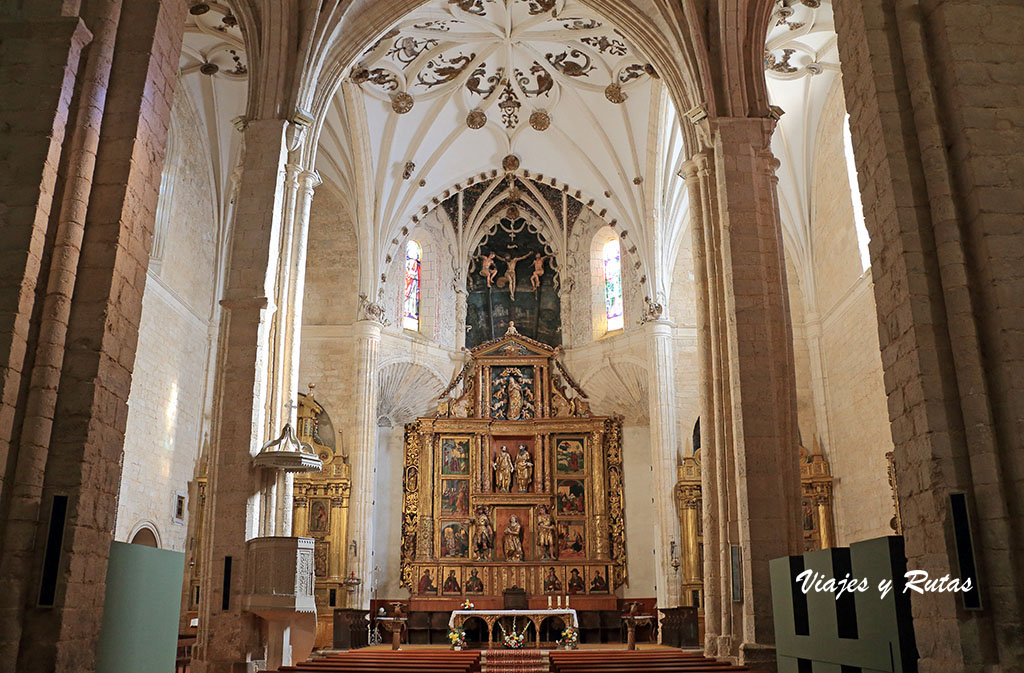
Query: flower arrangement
[[513, 640], [570, 639], [466, 605], [457, 637]]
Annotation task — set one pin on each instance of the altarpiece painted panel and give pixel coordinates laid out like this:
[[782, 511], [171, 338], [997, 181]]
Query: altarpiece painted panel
[[513, 482]]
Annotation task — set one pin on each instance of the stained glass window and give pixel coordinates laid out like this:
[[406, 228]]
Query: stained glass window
[[411, 298], [612, 285]]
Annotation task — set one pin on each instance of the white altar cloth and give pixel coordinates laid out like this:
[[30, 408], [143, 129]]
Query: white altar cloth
[[539, 615]]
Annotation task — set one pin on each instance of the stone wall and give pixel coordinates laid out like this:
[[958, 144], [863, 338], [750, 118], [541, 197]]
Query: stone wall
[[165, 426], [332, 267], [836, 341]]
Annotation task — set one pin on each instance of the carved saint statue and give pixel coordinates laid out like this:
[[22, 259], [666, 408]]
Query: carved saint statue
[[524, 469], [487, 268], [483, 535], [510, 273], [512, 542], [515, 399], [546, 534], [538, 271], [503, 469]]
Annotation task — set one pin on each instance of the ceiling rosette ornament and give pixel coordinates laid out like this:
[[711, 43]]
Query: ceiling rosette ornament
[[508, 63], [801, 41], [214, 45]]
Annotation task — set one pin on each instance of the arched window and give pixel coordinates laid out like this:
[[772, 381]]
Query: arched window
[[612, 285], [411, 298], [858, 207]]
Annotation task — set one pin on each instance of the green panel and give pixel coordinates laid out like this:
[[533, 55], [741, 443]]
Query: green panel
[[884, 640], [140, 615]]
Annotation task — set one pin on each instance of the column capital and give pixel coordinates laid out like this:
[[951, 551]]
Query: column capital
[[660, 328], [310, 180]]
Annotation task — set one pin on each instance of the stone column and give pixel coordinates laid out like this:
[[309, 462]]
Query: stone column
[[227, 635], [760, 377], [363, 456], [663, 458], [698, 173]]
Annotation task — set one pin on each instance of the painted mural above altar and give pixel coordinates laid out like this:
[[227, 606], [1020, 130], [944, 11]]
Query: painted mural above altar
[[512, 278]]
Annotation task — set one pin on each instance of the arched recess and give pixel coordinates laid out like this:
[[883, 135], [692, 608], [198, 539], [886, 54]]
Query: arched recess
[[332, 261], [145, 533], [619, 386], [407, 391]]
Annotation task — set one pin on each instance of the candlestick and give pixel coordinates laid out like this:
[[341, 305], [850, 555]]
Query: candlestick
[[549, 602], [567, 600], [559, 601]]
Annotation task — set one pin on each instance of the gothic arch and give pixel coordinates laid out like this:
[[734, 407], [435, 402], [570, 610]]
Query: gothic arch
[[145, 533]]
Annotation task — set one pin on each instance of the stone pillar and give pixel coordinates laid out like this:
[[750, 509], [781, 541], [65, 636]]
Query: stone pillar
[[359, 545], [663, 458], [929, 87], [227, 635], [74, 419], [39, 62], [761, 434]]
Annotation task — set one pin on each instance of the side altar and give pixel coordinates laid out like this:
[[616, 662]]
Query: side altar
[[513, 483]]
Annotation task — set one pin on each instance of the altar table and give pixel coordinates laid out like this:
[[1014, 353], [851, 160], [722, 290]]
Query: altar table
[[459, 618]]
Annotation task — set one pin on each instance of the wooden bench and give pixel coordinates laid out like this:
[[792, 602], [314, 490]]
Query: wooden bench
[[637, 661], [363, 661]]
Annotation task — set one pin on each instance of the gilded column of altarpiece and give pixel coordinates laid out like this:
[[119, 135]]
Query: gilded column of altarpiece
[[513, 483], [815, 506]]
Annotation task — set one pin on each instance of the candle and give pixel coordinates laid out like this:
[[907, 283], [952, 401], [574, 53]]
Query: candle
[[567, 600], [549, 602], [559, 601]]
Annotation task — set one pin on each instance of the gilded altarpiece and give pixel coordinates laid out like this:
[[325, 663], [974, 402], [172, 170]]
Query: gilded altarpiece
[[816, 515], [513, 483], [321, 507]]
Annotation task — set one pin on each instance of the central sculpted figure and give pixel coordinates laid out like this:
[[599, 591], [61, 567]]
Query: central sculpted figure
[[503, 469], [524, 469], [510, 273], [512, 542], [515, 399]]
